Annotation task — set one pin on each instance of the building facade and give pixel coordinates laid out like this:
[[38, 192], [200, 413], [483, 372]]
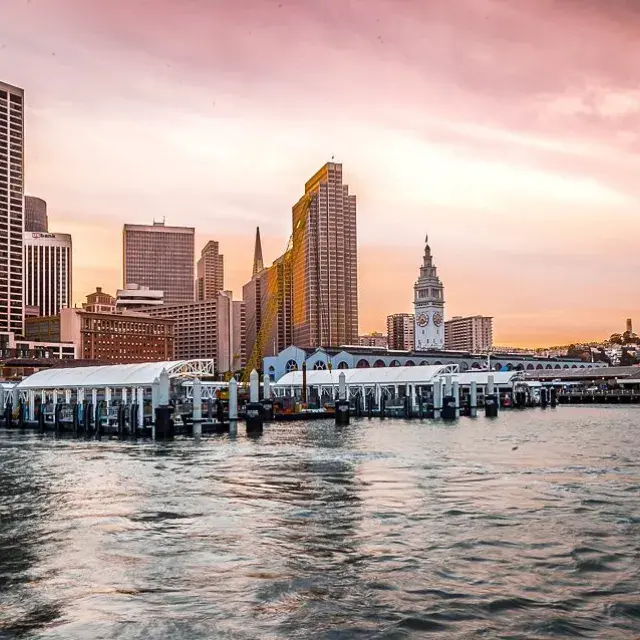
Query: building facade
[[118, 338], [15, 347], [400, 331], [428, 304], [205, 329], [35, 215], [325, 262], [239, 339], [161, 258], [292, 357], [99, 302], [471, 333], [210, 272], [48, 261], [134, 297], [373, 339], [11, 208]]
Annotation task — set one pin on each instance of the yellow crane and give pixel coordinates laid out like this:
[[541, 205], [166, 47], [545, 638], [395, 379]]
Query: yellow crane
[[269, 313]]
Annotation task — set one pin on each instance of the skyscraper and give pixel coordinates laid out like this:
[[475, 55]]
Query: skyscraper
[[161, 258], [11, 208], [210, 272], [258, 262], [429, 305], [47, 271], [35, 214], [400, 330], [325, 262]]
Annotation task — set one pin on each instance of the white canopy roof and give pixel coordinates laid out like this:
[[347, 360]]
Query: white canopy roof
[[481, 377], [117, 375], [374, 375], [395, 375]]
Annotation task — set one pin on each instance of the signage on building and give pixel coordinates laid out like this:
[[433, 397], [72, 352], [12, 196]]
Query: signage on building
[[43, 235]]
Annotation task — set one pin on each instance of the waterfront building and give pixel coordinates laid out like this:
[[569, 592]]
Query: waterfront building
[[35, 215], [470, 333], [205, 329], [47, 271], [161, 258], [352, 357], [210, 272], [428, 305], [99, 302], [374, 339], [400, 330], [325, 262], [134, 297], [11, 208]]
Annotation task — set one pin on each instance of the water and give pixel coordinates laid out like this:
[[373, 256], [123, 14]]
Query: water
[[528, 526]]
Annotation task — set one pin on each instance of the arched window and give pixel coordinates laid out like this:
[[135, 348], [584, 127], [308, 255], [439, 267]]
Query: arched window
[[394, 363], [424, 363], [464, 366], [409, 363], [343, 365], [539, 366], [557, 367], [497, 366], [475, 365], [520, 367], [362, 364], [529, 367], [548, 367], [437, 362], [319, 365], [378, 363], [292, 365]]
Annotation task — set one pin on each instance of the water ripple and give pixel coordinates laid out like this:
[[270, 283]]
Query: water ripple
[[377, 530]]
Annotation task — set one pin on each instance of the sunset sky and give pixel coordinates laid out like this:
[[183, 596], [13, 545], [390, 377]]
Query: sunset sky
[[509, 131]]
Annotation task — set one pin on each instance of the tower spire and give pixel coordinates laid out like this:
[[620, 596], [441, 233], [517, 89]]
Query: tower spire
[[258, 264]]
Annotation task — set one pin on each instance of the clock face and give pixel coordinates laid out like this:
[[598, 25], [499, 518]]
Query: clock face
[[422, 320], [437, 318]]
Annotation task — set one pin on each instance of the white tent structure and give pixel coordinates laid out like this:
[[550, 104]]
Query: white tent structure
[[134, 382], [394, 382]]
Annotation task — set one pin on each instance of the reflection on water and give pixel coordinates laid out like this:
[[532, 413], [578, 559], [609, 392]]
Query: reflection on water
[[528, 526]]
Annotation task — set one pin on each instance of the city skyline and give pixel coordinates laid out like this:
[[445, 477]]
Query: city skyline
[[517, 158]]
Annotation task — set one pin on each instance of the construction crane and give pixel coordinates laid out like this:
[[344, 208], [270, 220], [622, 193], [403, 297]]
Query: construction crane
[[295, 244]]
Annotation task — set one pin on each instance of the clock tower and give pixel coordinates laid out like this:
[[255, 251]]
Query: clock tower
[[428, 303]]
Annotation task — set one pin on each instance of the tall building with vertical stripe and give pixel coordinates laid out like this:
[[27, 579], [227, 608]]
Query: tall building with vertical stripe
[[325, 267], [11, 208], [47, 271]]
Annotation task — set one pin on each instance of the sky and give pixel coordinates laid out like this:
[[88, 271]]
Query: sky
[[508, 131]]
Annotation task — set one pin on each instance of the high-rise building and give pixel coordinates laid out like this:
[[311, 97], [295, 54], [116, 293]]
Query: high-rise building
[[400, 330], [204, 329], [258, 262], [161, 258], [325, 262], [472, 333], [134, 297], [210, 272], [267, 298], [35, 215], [428, 305], [629, 326], [239, 338], [11, 208], [47, 271]]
